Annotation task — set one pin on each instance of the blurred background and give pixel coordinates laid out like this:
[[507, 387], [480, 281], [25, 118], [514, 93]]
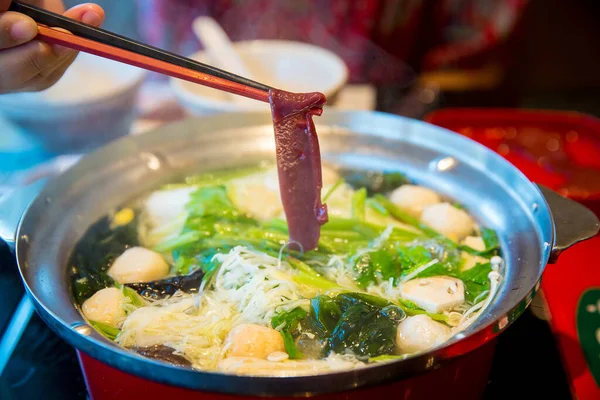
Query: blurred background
[[406, 57]]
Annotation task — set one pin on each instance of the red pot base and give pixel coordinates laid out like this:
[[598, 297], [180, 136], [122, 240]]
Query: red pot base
[[464, 378]]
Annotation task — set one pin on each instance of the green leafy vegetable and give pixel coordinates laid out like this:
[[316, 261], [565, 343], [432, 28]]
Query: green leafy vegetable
[[211, 200], [378, 208], [476, 280], [287, 322], [404, 216], [136, 299], [367, 229], [290, 346], [106, 330], [386, 357], [414, 256], [374, 266], [180, 241], [411, 309], [308, 276], [423, 252], [490, 240], [358, 204], [184, 264]]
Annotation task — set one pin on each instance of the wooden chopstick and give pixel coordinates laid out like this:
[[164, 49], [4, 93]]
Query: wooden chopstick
[[54, 36], [106, 44]]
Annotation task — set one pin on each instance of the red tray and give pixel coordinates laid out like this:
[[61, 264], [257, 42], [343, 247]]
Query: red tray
[[566, 149]]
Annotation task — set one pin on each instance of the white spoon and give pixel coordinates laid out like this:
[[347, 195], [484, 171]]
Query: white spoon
[[221, 53]]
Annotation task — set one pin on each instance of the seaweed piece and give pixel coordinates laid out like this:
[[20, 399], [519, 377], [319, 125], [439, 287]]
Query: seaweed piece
[[95, 253], [361, 323], [163, 353], [366, 331], [162, 288], [325, 313]]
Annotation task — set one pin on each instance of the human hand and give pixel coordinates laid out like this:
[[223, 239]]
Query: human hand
[[31, 65]]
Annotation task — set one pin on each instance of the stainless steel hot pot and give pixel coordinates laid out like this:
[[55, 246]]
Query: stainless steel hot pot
[[534, 225]]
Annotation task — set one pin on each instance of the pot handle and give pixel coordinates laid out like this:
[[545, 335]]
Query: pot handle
[[12, 207], [573, 222]]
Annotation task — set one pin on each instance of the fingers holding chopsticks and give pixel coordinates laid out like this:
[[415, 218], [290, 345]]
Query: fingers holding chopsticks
[[31, 65], [90, 14], [15, 29]]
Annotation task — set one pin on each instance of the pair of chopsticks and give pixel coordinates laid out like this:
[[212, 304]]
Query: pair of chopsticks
[[106, 44]]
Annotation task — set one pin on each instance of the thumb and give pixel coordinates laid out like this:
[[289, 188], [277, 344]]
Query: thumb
[[16, 29], [90, 14]]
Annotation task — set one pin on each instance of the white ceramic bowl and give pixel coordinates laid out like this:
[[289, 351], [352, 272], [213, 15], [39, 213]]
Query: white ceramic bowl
[[287, 65], [93, 103]]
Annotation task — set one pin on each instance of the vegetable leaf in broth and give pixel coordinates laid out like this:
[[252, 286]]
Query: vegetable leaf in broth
[[476, 280], [378, 208], [374, 266], [287, 322], [358, 204], [490, 238], [411, 309], [106, 330], [387, 357], [211, 212], [491, 242], [414, 256], [404, 216], [134, 297], [290, 346]]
